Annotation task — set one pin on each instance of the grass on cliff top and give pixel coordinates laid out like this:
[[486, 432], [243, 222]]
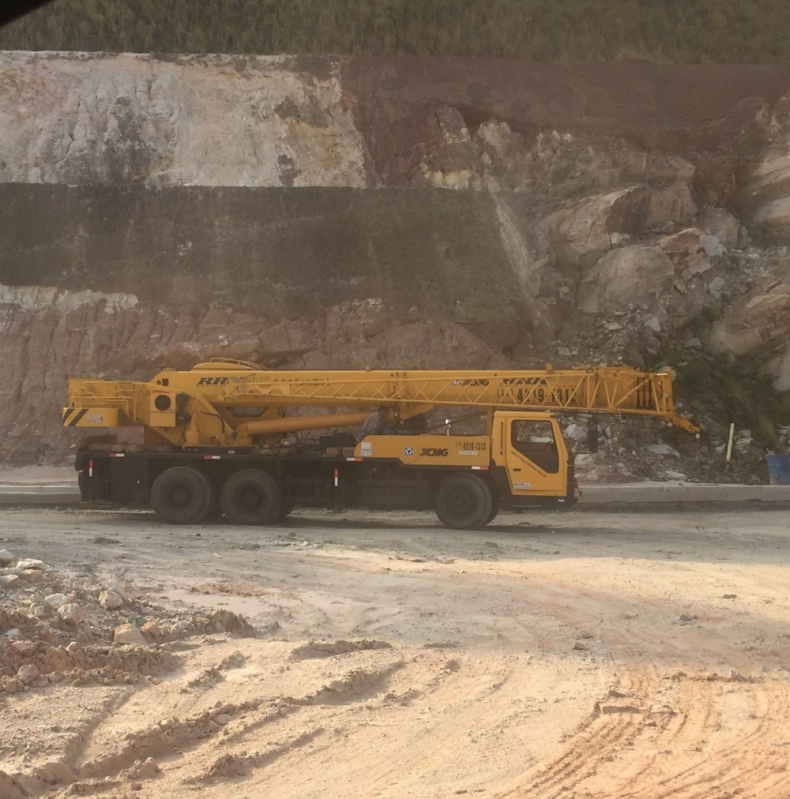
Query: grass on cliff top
[[744, 31]]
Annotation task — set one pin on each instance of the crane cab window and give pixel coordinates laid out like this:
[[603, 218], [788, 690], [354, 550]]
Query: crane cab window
[[535, 440]]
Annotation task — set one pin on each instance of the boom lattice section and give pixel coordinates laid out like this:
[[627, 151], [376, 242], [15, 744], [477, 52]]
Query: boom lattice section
[[604, 390]]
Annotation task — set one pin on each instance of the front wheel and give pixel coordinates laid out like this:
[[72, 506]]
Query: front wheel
[[182, 495], [251, 497], [464, 502], [496, 504]]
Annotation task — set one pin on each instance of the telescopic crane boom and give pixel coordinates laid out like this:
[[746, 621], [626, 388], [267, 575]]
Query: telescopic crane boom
[[202, 406]]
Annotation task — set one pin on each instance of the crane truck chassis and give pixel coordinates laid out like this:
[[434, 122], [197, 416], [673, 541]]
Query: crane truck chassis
[[215, 440]]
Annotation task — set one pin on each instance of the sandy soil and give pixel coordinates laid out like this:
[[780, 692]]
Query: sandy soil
[[576, 655]]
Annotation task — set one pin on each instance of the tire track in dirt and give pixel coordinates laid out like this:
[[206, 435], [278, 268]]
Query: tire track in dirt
[[742, 765], [166, 738], [690, 724], [578, 608], [694, 717], [188, 737], [593, 744]]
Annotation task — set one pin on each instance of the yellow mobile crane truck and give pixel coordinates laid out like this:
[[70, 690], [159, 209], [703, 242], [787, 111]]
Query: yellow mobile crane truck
[[229, 437]]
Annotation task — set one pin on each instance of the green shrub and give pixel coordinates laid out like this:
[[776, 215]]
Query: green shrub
[[656, 30], [713, 388]]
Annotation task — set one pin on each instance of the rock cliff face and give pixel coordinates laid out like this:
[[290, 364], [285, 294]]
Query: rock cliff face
[[210, 121], [330, 212]]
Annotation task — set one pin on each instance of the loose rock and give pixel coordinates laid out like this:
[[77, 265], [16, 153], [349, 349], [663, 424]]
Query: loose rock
[[71, 613], [111, 600], [31, 563], [128, 634], [27, 673], [151, 629], [57, 600]]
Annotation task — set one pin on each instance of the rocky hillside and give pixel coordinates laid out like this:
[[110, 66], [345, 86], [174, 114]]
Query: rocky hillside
[[329, 212]]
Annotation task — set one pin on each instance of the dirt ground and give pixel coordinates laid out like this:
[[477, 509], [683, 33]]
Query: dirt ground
[[578, 655]]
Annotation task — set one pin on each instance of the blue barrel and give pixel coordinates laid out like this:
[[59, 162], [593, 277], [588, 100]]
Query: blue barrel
[[779, 470]]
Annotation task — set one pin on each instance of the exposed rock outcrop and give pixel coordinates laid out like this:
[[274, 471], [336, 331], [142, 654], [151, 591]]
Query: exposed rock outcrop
[[767, 189], [757, 329], [43, 346], [328, 213], [205, 120], [581, 235], [628, 276], [721, 224], [691, 251]]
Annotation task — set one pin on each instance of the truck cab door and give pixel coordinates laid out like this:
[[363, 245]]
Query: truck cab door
[[531, 449]]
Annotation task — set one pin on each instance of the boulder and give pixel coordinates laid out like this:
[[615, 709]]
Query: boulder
[[71, 613], [691, 251], [629, 276], [775, 214], [116, 586], [57, 600], [766, 190], [721, 224], [757, 329], [27, 673], [575, 432], [6, 558], [580, 235], [759, 321], [110, 600], [27, 564], [716, 287], [128, 634], [672, 204], [151, 630]]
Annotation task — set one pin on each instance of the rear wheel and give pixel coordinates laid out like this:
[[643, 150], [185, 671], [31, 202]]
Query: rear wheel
[[464, 502], [251, 497], [182, 495]]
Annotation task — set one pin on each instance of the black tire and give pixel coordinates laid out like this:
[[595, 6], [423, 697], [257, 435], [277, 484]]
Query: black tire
[[251, 497], [464, 502], [182, 495]]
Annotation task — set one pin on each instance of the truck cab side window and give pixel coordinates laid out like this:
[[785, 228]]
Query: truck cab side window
[[535, 440]]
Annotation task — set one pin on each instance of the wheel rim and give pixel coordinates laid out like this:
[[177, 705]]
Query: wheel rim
[[250, 500], [180, 497], [460, 502]]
